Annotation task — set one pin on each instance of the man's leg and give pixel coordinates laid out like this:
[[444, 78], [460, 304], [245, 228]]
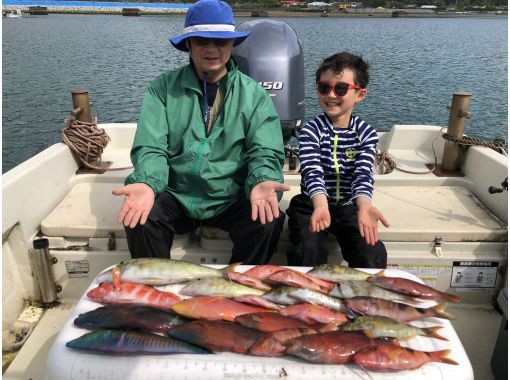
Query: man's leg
[[155, 237], [355, 250], [254, 243], [307, 248]]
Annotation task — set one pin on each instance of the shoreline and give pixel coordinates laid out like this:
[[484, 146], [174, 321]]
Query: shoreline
[[262, 13]]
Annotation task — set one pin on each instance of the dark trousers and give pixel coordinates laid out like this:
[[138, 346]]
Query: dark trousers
[[308, 249], [254, 243]]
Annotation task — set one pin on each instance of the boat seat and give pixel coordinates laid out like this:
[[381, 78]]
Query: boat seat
[[416, 213]]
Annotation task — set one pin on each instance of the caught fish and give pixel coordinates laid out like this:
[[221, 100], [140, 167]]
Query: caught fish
[[129, 292], [244, 279], [337, 272], [216, 336], [269, 321], [258, 301], [157, 271], [263, 271], [411, 288], [312, 314], [273, 344], [132, 342], [317, 298], [212, 308], [297, 279], [126, 316], [375, 326], [221, 287], [336, 347], [389, 357], [355, 288], [398, 311], [281, 295]]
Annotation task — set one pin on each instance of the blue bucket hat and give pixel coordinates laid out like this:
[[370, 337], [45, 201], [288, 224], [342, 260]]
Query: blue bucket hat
[[209, 19]]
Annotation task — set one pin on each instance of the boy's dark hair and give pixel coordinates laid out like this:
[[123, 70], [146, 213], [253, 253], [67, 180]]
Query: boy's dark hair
[[345, 60]]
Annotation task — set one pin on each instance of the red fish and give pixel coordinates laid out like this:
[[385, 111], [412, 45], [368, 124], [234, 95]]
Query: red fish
[[211, 308], [216, 336], [129, 292], [398, 311], [262, 271], [336, 347], [300, 280], [258, 301], [248, 280], [411, 288], [273, 344], [390, 357], [311, 314], [269, 321]]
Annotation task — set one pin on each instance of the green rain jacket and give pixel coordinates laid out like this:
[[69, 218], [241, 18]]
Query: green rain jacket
[[171, 151]]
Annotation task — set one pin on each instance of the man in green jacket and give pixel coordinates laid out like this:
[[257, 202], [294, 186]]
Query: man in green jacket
[[208, 149]]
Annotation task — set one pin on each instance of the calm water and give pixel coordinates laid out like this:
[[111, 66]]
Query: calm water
[[416, 66]]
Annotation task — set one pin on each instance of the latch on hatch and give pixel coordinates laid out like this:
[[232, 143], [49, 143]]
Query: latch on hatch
[[438, 249]]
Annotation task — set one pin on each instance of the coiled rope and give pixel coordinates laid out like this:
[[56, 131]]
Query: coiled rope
[[498, 144], [87, 141]]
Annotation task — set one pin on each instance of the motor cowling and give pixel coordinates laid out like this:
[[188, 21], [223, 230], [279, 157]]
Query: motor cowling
[[273, 57]]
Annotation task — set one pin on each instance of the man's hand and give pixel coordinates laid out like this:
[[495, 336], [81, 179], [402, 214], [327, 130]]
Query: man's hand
[[138, 202], [368, 218], [321, 218], [264, 200]]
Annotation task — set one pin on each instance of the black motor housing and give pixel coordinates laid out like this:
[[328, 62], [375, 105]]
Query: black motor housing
[[272, 56]]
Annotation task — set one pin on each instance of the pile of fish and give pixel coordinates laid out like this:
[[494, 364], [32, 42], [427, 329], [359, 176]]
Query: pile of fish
[[332, 314]]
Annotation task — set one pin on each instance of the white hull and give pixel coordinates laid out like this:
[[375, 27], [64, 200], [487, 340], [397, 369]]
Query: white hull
[[38, 201]]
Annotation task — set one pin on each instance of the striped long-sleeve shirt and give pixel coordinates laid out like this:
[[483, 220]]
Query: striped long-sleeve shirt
[[337, 162]]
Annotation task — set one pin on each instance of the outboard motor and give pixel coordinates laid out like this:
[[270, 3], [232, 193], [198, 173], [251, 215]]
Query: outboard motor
[[272, 56]]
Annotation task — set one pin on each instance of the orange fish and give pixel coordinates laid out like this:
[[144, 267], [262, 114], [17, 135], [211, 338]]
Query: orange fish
[[269, 321], [130, 292], [390, 357], [311, 314], [211, 308]]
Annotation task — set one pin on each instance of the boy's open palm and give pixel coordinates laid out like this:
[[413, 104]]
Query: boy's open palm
[[368, 219], [320, 219]]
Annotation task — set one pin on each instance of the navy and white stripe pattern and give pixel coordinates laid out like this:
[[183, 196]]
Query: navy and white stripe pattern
[[337, 162]]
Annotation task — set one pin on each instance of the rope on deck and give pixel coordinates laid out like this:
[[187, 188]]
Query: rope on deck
[[498, 144], [87, 141]]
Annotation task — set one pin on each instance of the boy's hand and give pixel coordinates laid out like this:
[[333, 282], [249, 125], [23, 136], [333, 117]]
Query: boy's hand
[[320, 219], [368, 219]]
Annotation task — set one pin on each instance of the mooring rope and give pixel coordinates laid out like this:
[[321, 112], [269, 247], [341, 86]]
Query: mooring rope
[[498, 144], [87, 141]]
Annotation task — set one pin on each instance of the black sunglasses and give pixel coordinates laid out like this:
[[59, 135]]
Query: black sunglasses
[[201, 41], [340, 88]]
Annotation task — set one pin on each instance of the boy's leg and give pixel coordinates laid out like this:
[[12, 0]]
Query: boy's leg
[[155, 237], [355, 250], [254, 243], [306, 248]]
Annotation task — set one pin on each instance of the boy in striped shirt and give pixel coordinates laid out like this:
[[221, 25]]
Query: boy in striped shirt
[[337, 154]]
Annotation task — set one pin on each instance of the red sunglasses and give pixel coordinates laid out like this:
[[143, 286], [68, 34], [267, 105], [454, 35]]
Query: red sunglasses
[[340, 88]]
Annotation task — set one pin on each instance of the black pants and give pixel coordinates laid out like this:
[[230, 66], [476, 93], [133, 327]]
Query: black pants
[[308, 249], [254, 243]]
